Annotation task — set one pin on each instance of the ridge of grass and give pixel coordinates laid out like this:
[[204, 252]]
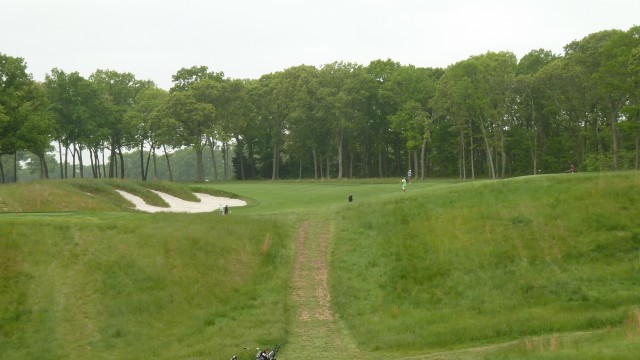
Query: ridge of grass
[[60, 195], [213, 191], [490, 262], [133, 285], [141, 190], [94, 194]]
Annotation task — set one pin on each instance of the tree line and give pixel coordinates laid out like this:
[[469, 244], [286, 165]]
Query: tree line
[[490, 116]]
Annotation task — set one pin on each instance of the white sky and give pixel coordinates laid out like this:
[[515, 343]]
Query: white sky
[[248, 38]]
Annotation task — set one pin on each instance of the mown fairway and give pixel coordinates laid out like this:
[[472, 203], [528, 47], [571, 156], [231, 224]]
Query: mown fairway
[[540, 267]]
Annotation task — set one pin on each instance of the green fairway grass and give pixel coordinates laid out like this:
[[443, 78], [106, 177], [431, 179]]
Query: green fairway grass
[[286, 197], [543, 267]]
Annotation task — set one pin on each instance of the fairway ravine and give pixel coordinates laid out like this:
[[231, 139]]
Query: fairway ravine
[[315, 328]]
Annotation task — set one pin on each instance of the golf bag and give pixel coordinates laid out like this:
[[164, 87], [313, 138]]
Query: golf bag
[[264, 354]]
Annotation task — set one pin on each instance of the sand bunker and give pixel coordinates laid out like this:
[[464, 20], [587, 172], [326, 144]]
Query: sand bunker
[[207, 203]]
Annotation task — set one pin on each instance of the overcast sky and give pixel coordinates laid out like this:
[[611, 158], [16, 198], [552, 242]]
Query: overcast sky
[[249, 38]]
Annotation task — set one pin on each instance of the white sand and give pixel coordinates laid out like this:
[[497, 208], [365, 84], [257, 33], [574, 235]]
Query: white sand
[[207, 203]]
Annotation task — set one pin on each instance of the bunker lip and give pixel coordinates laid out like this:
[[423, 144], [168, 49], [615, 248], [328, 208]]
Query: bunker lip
[[207, 203]]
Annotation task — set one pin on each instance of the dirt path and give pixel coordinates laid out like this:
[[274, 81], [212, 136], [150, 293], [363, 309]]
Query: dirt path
[[315, 329]]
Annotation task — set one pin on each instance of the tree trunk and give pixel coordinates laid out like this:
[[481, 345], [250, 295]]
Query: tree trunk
[[300, 162], [199, 164], [503, 152], [615, 107], [240, 155], [146, 170], [380, 172], [93, 165], [214, 165], [44, 171], [100, 173], [143, 174], [351, 166], [488, 151], [155, 165], [422, 152], [614, 135], [60, 156], [225, 160], [112, 160], [463, 164], [534, 154], [472, 160], [96, 159], [415, 161], [121, 162], [104, 168], [252, 165], [315, 163], [533, 145], [366, 159], [328, 167], [637, 142], [66, 161], [614, 139], [15, 167], [166, 155], [340, 144], [276, 157], [73, 161], [80, 161]]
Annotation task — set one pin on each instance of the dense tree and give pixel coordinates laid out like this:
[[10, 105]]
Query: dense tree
[[146, 121], [193, 111], [118, 92], [379, 135], [412, 89], [344, 96], [528, 111], [25, 122], [77, 105], [38, 126], [453, 104], [489, 115], [281, 101], [632, 109], [193, 103]]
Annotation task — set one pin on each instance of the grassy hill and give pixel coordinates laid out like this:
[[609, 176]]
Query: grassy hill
[[492, 262], [537, 267]]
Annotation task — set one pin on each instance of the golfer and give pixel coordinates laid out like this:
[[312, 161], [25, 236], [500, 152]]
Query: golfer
[[404, 185]]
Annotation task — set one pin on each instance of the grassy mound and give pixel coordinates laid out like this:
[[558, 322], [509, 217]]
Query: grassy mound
[[93, 195], [135, 286], [490, 262]]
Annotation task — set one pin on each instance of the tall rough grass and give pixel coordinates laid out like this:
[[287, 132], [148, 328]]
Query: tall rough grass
[[132, 286], [490, 262]]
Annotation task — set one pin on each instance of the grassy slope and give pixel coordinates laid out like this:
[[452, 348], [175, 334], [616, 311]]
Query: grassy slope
[[491, 262], [87, 285], [442, 267]]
